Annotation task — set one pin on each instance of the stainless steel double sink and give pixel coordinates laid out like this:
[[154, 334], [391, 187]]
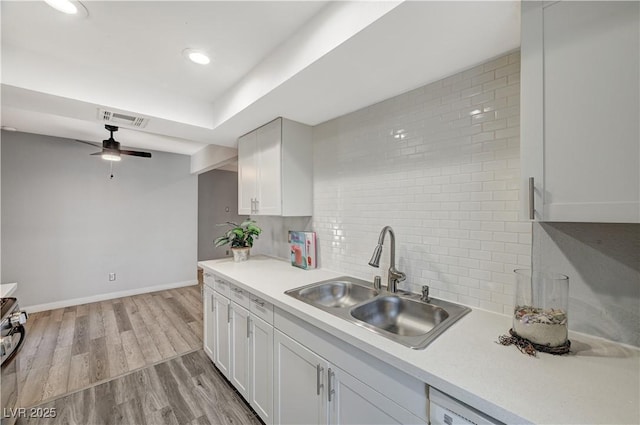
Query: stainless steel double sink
[[402, 317]]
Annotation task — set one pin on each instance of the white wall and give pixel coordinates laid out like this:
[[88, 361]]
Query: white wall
[[66, 225], [440, 164], [603, 264], [274, 239]]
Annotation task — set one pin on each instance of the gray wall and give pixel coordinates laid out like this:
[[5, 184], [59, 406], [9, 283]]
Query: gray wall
[[66, 225], [603, 265], [217, 193]]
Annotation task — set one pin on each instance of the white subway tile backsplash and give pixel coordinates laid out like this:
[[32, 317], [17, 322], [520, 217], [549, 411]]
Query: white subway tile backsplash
[[440, 164]]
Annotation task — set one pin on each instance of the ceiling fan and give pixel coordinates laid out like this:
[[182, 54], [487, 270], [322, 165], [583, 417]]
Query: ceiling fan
[[111, 148]]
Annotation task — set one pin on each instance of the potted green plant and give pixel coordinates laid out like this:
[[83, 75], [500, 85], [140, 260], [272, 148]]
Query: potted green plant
[[240, 237]]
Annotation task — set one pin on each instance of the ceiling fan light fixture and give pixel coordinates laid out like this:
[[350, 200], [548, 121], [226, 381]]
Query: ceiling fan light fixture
[[111, 156], [68, 7], [196, 56]]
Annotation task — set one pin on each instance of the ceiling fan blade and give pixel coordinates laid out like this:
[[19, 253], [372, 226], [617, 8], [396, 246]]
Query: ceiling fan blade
[[89, 143], [136, 153]]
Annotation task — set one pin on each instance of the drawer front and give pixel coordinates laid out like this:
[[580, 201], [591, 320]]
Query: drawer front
[[209, 278], [261, 309], [222, 286], [239, 296]]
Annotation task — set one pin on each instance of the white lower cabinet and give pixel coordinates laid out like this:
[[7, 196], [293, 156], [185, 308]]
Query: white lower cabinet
[[299, 383], [221, 351], [208, 334], [261, 368], [294, 373], [311, 390], [353, 402], [239, 343]]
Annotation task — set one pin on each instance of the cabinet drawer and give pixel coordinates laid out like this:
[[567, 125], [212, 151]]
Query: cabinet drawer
[[261, 309], [209, 278], [222, 286], [239, 296]]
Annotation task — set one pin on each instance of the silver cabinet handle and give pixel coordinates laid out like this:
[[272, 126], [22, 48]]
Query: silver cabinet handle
[[531, 199], [248, 326], [207, 274], [237, 290], [228, 313], [213, 304], [331, 375], [319, 370], [259, 302]]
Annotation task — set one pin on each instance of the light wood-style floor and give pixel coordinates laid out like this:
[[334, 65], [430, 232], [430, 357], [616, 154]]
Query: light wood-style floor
[[72, 348], [187, 390]]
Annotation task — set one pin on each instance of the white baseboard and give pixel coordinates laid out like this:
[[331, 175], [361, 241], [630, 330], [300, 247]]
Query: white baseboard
[[108, 296]]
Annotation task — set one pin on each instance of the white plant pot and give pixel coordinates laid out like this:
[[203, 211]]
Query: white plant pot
[[240, 254]]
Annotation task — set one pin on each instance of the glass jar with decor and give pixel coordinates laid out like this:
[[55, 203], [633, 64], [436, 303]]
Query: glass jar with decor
[[240, 237], [541, 304]]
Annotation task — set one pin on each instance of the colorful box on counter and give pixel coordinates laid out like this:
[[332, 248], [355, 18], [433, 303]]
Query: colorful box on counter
[[303, 249]]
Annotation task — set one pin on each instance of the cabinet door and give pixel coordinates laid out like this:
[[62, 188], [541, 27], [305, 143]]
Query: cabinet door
[[261, 368], [353, 402], [299, 383], [247, 172], [269, 170], [592, 96], [208, 321], [221, 346], [580, 107], [239, 363]]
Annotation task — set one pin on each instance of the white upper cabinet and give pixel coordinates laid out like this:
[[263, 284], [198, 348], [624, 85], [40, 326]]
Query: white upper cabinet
[[580, 111], [275, 174], [247, 171]]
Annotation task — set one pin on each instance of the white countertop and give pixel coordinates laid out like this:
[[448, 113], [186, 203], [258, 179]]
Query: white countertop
[[598, 383], [7, 289]]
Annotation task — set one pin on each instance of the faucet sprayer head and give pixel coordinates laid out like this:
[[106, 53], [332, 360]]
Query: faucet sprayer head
[[375, 258]]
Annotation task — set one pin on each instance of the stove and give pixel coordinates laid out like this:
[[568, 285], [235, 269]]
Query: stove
[[12, 337]]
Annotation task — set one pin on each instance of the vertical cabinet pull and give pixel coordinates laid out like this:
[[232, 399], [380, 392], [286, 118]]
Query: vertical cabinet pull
[[319, 370], [228, 314], [213, 304], [531, 199], [330, 376], [248, 326]]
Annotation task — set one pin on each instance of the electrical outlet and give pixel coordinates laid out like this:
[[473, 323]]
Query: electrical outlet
[[112, 277]]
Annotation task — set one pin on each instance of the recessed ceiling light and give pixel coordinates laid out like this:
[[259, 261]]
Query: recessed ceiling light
[[68, 6], [196, 56], [5, 128]]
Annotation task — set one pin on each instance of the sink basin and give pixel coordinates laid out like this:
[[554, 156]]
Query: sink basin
[[400, 316], [336, 293]]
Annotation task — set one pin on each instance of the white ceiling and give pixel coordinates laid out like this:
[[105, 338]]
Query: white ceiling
[[308, 61]]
